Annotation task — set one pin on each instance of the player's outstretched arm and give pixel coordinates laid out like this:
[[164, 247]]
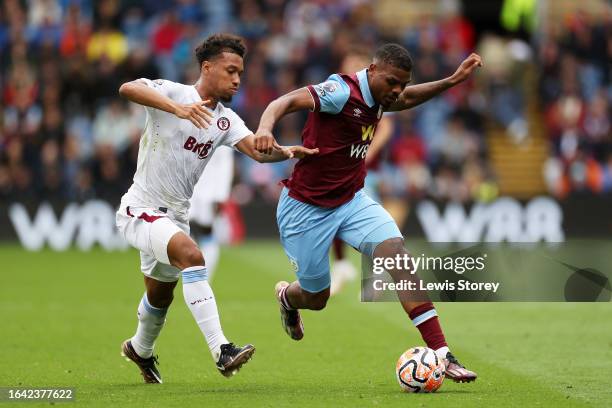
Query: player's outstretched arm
[[291, 102], [138, 92], [417, 94], [279, 153]]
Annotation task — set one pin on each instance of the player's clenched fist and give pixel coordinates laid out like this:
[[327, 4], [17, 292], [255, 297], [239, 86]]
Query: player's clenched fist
[[467, 67], [197, 113], [265, 142]]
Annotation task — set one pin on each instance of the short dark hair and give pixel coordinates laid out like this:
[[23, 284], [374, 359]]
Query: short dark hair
[[394, 55], [217, 44]]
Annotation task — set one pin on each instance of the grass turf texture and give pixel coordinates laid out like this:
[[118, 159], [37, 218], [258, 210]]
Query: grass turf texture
[[64, 316]]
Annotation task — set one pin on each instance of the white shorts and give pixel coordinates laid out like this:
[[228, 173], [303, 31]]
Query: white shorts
[[149, 230]]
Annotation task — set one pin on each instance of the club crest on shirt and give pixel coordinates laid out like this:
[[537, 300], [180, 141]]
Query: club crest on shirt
[[223, 123]]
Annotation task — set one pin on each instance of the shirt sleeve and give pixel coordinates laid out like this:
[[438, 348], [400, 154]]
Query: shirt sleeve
[[163, 86], [330, 96], [236, 128]]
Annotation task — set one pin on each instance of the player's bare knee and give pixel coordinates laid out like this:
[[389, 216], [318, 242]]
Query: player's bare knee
[[183, 252], [192, 256], [187, 255], [318, 301], [389, 248], [319, 304]]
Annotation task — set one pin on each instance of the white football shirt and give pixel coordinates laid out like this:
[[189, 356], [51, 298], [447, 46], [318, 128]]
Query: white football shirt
[[173, 152]]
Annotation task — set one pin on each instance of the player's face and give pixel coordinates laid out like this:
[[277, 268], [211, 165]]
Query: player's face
[[387, 82], [223, 74]]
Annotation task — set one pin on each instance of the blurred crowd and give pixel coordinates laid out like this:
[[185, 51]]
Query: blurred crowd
[[575, 91], [66, 135]]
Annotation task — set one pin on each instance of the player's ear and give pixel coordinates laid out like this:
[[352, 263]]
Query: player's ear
[[206, 66], [372, 68]]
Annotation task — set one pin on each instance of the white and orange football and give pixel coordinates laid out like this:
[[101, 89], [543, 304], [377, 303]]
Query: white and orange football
[[419, 369]]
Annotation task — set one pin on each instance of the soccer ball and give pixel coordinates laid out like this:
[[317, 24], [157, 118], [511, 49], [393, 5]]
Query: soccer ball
[[420, 370]]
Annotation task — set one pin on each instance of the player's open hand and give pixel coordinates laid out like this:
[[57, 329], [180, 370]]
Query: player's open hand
[[299, 152], [467, 67], [265, 142], [197, 113]]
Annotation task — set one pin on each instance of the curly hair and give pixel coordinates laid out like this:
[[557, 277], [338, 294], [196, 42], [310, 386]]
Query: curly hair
[[394, 55], [217, 44]]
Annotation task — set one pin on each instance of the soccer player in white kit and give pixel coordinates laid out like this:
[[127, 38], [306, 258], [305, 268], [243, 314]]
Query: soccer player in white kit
[[184, 126]]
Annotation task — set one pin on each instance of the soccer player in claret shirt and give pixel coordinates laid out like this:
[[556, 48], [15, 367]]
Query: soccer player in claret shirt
[[324, 196], [185, 125]]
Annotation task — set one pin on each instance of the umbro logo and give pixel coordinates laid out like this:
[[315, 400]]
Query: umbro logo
[[357, 112]]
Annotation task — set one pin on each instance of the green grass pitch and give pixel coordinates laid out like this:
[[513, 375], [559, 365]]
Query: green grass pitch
[[64, 316]]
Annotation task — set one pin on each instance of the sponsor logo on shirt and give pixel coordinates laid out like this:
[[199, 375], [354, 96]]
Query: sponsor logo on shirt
[[202, 150], [367, 132], [360, 150]]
